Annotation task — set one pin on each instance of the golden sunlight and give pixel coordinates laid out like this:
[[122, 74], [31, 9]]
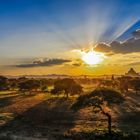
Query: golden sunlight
[[92, 57]]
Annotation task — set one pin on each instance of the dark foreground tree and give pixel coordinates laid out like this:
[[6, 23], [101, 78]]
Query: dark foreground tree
[[101, 100], [68, 86]]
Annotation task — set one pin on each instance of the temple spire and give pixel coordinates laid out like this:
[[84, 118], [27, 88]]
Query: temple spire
[[132, 72]]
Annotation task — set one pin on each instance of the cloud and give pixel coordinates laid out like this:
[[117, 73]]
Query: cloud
[[134, 63], [136, 33], [102, 47], [44, 62], [128, 46], [76, 64]]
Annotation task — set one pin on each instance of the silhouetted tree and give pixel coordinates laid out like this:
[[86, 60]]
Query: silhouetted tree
[[123, 85], [46, 82], [108, 83], [44, 88], [4, 83], [101, 100], [21, 79], [29, 85], [112, 77], [68, 86], [13, 84], [135, 84], [56, 91]]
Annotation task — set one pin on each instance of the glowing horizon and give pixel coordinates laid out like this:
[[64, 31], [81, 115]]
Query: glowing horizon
[[40, 36]]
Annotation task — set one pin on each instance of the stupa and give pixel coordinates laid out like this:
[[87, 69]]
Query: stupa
[[132, 73]]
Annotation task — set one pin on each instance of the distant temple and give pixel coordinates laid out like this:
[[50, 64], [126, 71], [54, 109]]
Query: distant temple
[[132, 73]]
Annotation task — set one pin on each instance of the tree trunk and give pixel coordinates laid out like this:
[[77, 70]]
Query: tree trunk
[[109, 121], [67, 94]]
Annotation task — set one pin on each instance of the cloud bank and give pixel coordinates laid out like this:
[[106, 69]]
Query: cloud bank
[[128, 46], [44, 62], [136, 33]]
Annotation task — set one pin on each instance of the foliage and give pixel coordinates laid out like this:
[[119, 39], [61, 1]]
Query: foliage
[[3, 83], [13, 83], [135, 84], [44, 88], [68, 86], [99, 96], [100, 100], [29, 85], [108, 83]]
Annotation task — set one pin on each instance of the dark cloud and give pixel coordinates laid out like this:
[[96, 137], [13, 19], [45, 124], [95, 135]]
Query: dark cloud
[[102, 47], [128, 46], [77, 64], [136, 33], [47, 62]]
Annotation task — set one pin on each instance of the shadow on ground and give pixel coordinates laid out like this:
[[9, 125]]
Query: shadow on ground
[[51, 117], [8, 100]]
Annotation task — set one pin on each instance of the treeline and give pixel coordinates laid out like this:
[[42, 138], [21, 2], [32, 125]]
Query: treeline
[[107, 93], [24, 83], [66, 86], [123, 84]]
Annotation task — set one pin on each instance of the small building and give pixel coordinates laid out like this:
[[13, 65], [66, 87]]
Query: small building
[[132, 73]]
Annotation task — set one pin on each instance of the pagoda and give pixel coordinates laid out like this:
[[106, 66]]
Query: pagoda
[[132, 73]]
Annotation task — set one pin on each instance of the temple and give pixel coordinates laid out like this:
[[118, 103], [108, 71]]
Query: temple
[[132, 73]]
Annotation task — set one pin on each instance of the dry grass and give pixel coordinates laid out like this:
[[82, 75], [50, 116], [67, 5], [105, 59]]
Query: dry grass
[[46, 115]]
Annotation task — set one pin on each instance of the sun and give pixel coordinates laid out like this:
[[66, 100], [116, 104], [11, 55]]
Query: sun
[[92, 57]]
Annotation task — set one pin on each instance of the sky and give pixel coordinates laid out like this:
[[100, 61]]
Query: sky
[[49, 36]]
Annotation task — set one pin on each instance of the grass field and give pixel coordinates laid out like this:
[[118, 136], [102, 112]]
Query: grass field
[[44, 116]]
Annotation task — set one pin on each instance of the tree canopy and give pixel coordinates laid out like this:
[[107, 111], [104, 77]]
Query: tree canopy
[[3, 83], [99, 99], [69, 86], [98, 96], [29, 85]]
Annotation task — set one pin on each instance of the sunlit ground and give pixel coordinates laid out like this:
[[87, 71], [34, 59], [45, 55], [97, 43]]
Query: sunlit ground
[[55, 115]]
